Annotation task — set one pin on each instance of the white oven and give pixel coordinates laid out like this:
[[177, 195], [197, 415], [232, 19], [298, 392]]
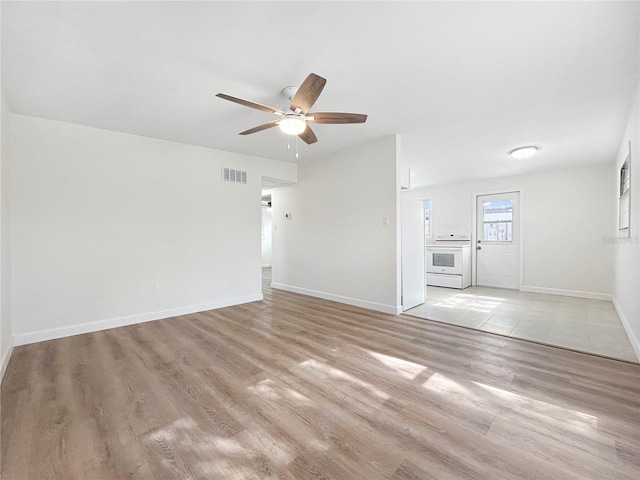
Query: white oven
[[448, 262]]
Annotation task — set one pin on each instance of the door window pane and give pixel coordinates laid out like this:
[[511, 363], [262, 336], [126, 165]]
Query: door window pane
[[498, 221]]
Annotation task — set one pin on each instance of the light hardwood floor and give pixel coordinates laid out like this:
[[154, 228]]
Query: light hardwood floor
[[296, 387]]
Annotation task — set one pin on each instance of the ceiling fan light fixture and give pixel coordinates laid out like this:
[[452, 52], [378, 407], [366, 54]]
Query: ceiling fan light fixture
[[294, 120], [293, 124], [523, 152]]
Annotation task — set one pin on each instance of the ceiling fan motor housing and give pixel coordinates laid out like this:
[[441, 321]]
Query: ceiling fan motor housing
[[289, 92]]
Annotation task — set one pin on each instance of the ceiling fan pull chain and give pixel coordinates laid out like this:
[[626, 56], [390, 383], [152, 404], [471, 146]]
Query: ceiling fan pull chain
[[297, 146]]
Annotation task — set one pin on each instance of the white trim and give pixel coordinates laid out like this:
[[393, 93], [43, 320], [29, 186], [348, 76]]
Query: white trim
[[567, 293], [266, 265], [474, 233], [70, 330], [379, 307], [635, 343], [5, 360]]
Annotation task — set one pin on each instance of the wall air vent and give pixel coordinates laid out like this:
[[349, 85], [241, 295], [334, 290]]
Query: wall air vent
[[234, 176]]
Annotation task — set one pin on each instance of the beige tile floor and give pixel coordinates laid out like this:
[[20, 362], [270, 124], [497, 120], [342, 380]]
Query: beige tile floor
[[582, 324]]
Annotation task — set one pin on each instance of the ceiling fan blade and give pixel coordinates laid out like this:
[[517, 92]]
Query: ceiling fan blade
[[247, 103], [308, 136], [308, 93], [335, 117], [259, 128]]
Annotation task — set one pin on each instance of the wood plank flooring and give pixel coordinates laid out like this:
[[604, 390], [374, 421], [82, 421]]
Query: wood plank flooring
[[296, 387]]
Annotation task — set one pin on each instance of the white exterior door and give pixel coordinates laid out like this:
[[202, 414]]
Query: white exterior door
[[498, 240], [413, 271]]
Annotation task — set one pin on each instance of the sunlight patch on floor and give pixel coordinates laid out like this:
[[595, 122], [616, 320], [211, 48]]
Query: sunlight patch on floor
[[185, 439], [186, 448], [180, 432], [265, 389], [284, 404], [440, 384], [337, 374], [477, 303], [263, 442], [403, 368], [577, 420], [270, 390]]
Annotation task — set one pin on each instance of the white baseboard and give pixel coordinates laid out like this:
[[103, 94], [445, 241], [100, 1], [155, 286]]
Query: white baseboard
[[567, 293], [70, 330], [5, 360], [379, 307], [635, 343]]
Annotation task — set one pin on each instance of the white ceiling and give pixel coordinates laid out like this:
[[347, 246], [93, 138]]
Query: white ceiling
[[462, 83]]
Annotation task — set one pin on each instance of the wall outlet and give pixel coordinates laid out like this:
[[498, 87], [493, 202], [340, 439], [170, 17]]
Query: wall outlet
[[288, 216]]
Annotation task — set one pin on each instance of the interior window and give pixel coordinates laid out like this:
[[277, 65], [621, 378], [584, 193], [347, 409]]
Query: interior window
[[625, 178], [625, 197], [427, 218], [498, 221]]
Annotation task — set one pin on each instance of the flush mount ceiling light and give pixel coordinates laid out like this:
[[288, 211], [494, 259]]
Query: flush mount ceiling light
[[523, 152], [293, 123]]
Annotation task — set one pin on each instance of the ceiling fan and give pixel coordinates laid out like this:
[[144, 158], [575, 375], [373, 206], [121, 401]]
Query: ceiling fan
[[296, 121]]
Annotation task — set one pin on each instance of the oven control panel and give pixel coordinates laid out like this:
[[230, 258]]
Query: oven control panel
[[453, 236]]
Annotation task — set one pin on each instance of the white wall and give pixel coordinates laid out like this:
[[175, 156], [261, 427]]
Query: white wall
[[567, 217], [626, 284], [335, 245], [6, 333], [98, 217]]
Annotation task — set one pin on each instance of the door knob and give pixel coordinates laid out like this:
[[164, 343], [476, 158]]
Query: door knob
[[478, 248]]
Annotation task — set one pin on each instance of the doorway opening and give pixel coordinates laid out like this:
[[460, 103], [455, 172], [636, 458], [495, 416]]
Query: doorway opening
[[268, 227], [266, 231], [413, 281]]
